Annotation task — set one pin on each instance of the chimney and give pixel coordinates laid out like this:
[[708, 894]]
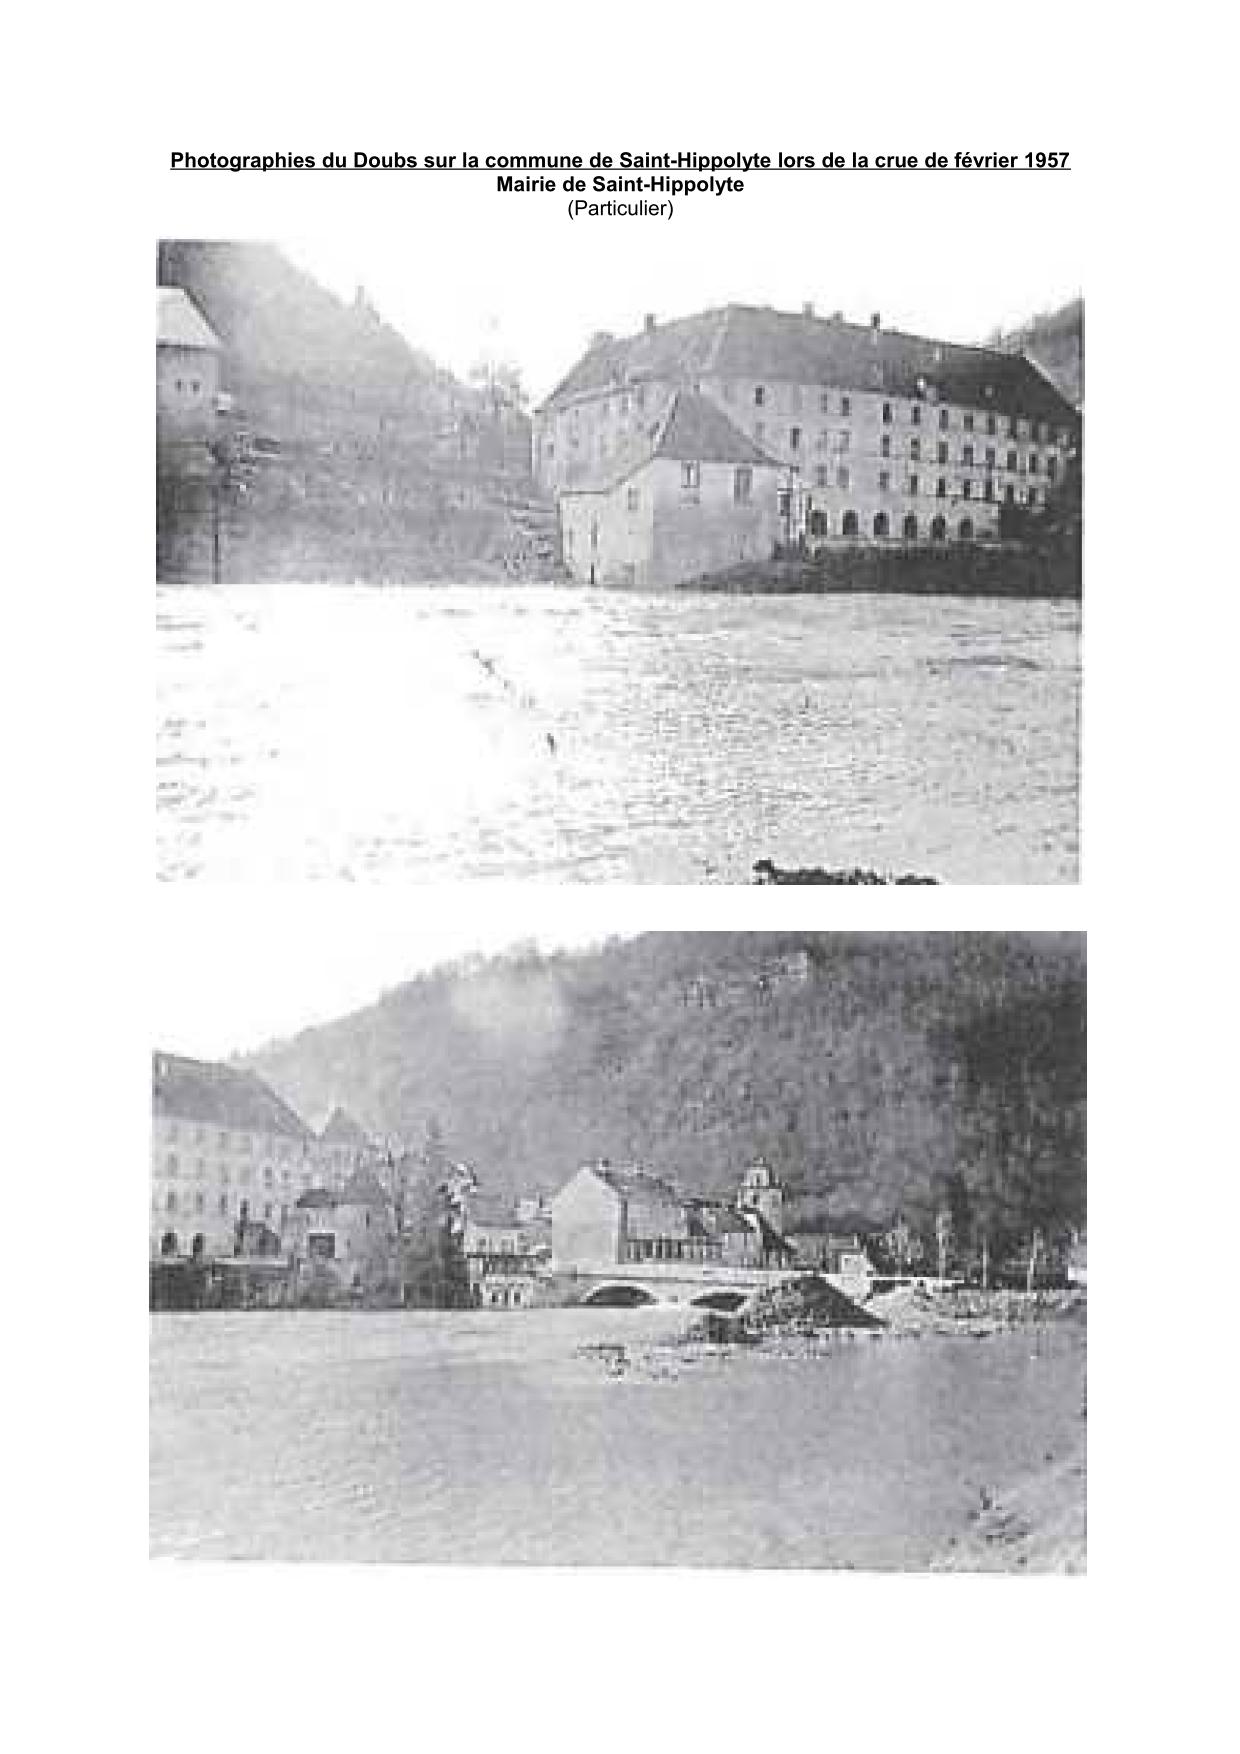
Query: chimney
[[876, 320], [807, 309], [651, 322]]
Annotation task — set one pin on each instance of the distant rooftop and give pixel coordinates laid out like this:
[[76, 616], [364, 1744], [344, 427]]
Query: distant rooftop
[[221, 1096], [343, 1131]]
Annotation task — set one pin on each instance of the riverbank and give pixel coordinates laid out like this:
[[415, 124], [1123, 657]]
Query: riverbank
[[958, 569]]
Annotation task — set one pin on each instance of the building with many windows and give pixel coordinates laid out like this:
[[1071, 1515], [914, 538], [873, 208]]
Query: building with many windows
[[845, 432], [226, 1152]]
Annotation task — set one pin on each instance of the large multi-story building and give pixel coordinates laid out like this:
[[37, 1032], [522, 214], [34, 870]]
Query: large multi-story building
[[814, 428], [226, 1151]]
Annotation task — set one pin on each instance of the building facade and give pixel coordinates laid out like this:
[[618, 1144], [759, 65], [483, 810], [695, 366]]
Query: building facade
[[187, 371], [693, 495], [865, 434], [507, 1253], [227, 1153], [608, 1217], [343, 1241]]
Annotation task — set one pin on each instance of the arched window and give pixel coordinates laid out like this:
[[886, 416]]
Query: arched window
[[910, 528], [938, 530], [882, 524], [966, 529], [168, 1243], [849, 525]]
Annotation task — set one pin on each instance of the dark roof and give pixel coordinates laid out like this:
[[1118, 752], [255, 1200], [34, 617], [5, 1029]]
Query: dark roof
[[714, 1218], [221, 1096], [691, 429], [695, 429], [343, 1130], [756, 342], [491, 1209], [635, 1184]]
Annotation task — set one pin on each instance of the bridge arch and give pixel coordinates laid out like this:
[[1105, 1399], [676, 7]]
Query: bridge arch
[[618, 1296], [726, 1302]]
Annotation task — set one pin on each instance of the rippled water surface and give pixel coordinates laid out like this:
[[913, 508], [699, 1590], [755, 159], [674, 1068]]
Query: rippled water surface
[[487, 1438], [435, 733]]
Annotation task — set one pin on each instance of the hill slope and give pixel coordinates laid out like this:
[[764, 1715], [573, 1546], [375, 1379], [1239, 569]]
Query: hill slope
[[376, 463], [876, 1072]]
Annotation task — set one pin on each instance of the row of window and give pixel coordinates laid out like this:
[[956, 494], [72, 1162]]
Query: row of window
[[968, 453], [172, 1169], [964, 489], [1016, 426], [227, 1141], [742, 487], [850, 525], [172, 1202]]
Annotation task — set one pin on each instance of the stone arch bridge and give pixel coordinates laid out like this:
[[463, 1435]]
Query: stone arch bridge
[[671, 1283]]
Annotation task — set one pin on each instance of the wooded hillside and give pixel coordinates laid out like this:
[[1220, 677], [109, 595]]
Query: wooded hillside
[[877, 1073]]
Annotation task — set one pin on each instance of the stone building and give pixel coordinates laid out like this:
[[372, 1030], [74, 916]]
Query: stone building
[[689, 494], [864, 433], [506, 1253], [343, 1240], [226, 1152]]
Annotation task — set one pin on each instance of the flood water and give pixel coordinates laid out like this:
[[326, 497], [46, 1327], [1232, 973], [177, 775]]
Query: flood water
[[492, 1438], [552, 734]]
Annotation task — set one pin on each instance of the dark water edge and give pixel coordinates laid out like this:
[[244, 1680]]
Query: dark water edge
[[1036, 575]]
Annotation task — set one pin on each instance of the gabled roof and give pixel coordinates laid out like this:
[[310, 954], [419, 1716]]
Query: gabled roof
[[220, 1096], [691, 429], [179, 322], [714, 1218], [695, 429], [635, 1184], [342, 1130], [754, 343]]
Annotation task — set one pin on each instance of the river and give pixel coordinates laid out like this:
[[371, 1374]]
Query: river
[[431, 734], [490, 1438]]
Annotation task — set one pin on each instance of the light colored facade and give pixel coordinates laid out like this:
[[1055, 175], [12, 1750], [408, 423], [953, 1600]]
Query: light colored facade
[[876, 435], [698, 497], [187, 370], [345, 1237], [224, 1147], [506, 1254]]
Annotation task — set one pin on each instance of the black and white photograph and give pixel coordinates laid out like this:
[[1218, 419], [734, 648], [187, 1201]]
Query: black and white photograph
[[758, 565], [706, 1249]]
